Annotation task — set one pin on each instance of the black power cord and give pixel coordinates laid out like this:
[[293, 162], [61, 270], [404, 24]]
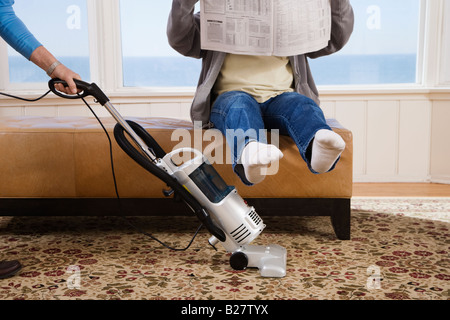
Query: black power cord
[[114, 174], [24, 99]]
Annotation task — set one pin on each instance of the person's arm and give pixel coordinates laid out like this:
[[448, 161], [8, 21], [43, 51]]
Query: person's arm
[[14, 31], [17, 35], [47, 62], [342, 21], [183, 28]]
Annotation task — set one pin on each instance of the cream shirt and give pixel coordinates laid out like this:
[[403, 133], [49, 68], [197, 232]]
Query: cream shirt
[[263, 77]]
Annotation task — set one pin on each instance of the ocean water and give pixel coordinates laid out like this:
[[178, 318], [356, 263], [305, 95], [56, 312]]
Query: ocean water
[[21, 70], [181, 71], [364, 69]]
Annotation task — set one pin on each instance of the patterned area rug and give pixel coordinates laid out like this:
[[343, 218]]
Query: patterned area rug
[[400, 249]]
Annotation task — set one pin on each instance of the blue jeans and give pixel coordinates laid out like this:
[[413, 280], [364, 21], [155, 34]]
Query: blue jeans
[[242, 119]]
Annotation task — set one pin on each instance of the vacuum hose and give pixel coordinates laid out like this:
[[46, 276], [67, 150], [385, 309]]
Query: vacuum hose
[[147, 164]]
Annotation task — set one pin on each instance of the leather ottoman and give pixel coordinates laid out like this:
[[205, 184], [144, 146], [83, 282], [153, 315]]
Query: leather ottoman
[[61, 166]]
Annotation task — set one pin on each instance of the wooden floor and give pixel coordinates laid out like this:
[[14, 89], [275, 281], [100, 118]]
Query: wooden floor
[[401, 190]]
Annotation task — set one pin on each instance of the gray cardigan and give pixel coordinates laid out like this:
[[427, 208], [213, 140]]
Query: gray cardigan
[[183, 31]]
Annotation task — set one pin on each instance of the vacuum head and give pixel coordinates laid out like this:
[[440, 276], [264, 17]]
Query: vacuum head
[[270, 260]]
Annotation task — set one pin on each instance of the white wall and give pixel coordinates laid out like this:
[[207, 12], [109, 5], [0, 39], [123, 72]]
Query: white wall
[[398, 137], [440, 142]]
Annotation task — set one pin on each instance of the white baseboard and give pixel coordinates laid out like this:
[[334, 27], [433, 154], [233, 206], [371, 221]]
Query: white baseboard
[[444, 179], [391, 179]]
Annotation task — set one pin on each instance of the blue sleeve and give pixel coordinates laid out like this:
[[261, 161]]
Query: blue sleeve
[[14, 31]]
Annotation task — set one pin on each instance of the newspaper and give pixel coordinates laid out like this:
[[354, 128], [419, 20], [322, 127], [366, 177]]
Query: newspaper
[[265, 27]]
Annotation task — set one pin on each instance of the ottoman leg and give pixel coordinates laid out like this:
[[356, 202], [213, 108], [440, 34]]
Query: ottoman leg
[[340, 219]]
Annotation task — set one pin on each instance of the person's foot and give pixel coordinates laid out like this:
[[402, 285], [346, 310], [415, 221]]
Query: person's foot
[[256, 158], [327, 147], [9, 268]]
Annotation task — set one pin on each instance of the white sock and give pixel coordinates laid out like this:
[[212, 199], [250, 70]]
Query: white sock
[[327, 147], [256, 158]]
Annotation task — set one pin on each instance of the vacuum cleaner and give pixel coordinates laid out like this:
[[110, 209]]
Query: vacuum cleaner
[[230, 220]]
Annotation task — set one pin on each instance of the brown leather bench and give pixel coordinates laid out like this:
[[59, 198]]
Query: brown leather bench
[[61, 166]]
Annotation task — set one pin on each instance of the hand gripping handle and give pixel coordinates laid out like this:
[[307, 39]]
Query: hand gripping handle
[[86, 89]]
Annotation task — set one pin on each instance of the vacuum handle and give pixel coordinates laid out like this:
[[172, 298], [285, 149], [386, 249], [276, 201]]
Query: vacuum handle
[[196, 160], [86, 89]]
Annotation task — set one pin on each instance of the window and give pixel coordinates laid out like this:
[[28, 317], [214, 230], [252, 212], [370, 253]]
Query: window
[[64, 33], [383, 48], [148, 59]]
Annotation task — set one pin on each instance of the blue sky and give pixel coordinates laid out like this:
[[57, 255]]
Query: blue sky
[[397, 31], [393, 26], [398, 27], [47, 20]]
